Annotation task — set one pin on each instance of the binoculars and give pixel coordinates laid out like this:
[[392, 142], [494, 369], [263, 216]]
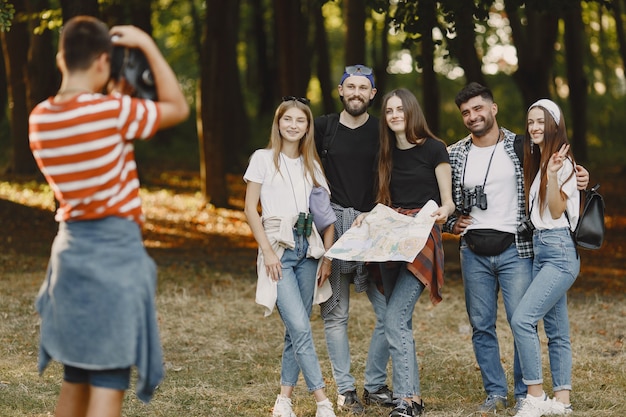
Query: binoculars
[[474, 198], [304, 224]]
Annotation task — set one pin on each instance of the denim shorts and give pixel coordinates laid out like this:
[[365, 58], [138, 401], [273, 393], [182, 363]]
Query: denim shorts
[[117, 379]]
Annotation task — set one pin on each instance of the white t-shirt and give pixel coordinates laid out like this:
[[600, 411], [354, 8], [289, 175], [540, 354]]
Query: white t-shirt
[[285, 192], [573, 201], [500, 188]]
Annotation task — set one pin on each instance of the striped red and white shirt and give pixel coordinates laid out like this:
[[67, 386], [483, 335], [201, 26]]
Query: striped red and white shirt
[[84, 148]]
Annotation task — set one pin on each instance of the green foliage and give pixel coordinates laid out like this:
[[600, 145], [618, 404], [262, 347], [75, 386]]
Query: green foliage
[[7, 11]]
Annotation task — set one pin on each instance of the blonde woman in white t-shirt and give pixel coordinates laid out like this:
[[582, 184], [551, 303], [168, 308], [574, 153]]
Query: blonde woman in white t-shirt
[[290, 266], [553, 202]]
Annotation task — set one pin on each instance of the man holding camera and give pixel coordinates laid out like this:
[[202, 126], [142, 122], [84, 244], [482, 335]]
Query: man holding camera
[[488, 191]]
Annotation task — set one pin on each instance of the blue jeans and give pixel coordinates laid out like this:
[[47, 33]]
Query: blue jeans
[[555, 268], [294, 303], [336, 330], [483, 276], [402, 290]]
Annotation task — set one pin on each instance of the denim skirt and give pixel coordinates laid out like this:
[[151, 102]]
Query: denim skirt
[[97, 302]]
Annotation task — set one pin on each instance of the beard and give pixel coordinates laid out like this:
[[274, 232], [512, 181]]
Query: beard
[[482, 131], [354, 107]]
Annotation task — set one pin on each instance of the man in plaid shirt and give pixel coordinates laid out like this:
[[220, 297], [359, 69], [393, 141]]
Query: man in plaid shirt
[[488, 191]]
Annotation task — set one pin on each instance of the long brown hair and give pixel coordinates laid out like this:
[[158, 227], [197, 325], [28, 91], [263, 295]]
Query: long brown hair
[[306, 146], [416, 130], [554, 136]]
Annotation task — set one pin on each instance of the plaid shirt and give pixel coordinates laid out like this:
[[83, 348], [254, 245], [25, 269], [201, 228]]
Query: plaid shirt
[[458, 154]]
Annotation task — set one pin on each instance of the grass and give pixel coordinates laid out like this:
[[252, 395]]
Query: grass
[[223, 358]]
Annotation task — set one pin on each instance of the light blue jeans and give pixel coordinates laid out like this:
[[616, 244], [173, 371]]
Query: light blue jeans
[[294, 303], [483, 277], [336, 330], [555, 269], [402, 290]]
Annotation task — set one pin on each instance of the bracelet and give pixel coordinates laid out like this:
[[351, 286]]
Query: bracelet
[[327, 260]]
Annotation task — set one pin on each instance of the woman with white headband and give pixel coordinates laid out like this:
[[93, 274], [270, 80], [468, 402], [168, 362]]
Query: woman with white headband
[[552, 201]]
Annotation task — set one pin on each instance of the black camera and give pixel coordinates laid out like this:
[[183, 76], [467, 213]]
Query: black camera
[[526, 228], [473, 198], [132, 65]]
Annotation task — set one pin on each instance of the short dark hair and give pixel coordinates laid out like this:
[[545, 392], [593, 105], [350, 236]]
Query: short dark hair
[[472, 90], [83, 39]]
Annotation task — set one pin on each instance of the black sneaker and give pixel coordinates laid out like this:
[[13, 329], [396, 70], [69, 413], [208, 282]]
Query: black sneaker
[[419, 409], [402, 409], [349, 401], [383, 397]]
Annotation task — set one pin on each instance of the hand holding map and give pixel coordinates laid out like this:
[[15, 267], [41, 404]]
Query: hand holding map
[[385, 235]]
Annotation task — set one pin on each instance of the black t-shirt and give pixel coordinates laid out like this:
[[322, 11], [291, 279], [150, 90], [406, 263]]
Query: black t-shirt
[[413, 180], [351, 161]]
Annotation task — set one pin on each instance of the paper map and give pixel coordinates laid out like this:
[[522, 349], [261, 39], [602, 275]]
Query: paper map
[[385, 235]]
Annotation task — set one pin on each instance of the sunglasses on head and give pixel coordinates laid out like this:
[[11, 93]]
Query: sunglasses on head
[[358, 69], [302, 100]]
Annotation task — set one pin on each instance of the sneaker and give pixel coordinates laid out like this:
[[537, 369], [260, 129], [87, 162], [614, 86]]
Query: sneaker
[[535, 406], [419, 409], [518, 405], [282, 407], [493, 403], [349, 401], [383, 397], [557, 408], [325, 409], [403, 409]]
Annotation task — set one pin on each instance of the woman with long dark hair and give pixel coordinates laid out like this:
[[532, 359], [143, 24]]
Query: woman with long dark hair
[[413, 168], [553, 201]]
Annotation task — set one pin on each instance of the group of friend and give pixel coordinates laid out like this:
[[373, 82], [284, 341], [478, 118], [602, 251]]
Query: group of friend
[[96, 303], [513, 200]]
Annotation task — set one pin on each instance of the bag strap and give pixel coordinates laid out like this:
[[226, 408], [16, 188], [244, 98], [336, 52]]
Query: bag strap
[[332, 123]]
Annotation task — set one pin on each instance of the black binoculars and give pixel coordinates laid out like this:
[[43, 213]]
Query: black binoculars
[[474, 198]]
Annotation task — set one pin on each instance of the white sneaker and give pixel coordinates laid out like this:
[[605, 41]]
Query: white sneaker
[[325, 409], [534, 406], [282, 407], [557, 408]]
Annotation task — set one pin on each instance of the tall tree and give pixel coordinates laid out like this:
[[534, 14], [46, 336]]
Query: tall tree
[[15, 44], [354, 16], [43, 77], [71, 8], [222, 118], [576, 78], [294, 68], [323, 61]]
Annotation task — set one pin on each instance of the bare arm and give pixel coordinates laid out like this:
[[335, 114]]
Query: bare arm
[[443, 172], [557, 201], [172, 104], [329, 237], [273, 266]]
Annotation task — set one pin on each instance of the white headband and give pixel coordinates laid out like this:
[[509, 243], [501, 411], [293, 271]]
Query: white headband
[[550, 106]]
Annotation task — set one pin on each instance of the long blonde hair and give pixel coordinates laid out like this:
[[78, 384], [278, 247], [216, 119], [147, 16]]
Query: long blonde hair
[[306, 146]]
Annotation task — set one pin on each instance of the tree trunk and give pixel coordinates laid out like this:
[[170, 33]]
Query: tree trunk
[[294, 66], [263, 77], [535, 52], [619, 29], [222, 127], [430, 87], [43, 77], [576, 79], [15, 44], [71, 8], [463, 46], [354, 11], [323, 63]]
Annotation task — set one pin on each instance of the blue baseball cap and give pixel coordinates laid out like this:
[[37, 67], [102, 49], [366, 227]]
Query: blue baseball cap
[[358, 69]]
